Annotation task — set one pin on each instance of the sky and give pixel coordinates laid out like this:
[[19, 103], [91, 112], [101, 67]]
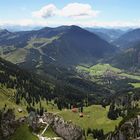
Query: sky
[[85, 13]]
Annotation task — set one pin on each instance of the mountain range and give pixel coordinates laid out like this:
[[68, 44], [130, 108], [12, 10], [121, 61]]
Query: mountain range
[[129, 39], [128, 59], [68, 46], [60, 68], [61, 46], [109, 35], [54, 53]]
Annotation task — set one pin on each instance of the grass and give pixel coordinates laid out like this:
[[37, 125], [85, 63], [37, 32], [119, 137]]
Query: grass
[[50, 107], [95, 117], [136, 85], [131, 76], [97, 70], [50, 133], [97, 114], [6, 49], [6, 98], [23, 133], [18, 56], [41, 41], [100, 69]]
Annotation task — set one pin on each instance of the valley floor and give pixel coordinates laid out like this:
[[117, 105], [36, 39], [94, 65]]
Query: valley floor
[[95, 117]]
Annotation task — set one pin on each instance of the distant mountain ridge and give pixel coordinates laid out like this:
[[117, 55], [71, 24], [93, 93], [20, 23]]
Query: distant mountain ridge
[[107, 34], [64, 45], [128, 59], [129, 39]]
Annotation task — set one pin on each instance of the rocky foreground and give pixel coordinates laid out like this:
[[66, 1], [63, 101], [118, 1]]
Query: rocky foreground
[[130, 130], [8, 123], [66, 130]]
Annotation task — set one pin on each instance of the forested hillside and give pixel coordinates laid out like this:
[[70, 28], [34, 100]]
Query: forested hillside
[[129, 59], [129, 39], [26, 85]]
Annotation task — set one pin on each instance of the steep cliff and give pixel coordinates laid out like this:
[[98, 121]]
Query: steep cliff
[[8, 123], [130, 130], [64, 129]]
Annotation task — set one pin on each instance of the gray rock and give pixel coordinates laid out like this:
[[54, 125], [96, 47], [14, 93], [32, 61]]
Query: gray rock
[[64, 129], [130, 130]]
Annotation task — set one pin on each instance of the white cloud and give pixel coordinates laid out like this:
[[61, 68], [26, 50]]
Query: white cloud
[[72, 10], [78, 10], [46, 11], [72, 14]]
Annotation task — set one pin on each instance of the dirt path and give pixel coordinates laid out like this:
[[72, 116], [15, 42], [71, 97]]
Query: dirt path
[[40, 136]]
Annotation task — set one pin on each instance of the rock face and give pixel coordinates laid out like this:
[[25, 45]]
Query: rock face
[[130, 130], [64, 129], [8, 124]]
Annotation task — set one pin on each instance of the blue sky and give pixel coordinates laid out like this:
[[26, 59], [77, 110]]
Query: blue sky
[[89, 13]]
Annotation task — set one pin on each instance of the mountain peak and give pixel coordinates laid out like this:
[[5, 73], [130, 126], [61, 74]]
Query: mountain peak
[[61, 28], [4, 31], [75, 27]]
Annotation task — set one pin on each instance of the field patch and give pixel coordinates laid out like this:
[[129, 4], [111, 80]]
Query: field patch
[[95, 117]]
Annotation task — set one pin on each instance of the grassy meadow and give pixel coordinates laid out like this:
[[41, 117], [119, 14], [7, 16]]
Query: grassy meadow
[[95, 117], [23, 133]]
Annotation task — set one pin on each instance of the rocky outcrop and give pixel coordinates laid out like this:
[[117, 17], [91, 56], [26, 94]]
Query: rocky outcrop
[[67, 130], [130, 130], [8, 124], [64, 129]]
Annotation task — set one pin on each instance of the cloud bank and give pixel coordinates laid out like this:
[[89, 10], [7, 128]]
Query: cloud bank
[[72, 10], [80, 14], [53, 23]]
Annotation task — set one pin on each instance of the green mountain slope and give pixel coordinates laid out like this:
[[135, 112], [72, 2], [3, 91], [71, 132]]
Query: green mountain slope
[[128, 59], [129, 39], [70, 44], [17, 85]]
